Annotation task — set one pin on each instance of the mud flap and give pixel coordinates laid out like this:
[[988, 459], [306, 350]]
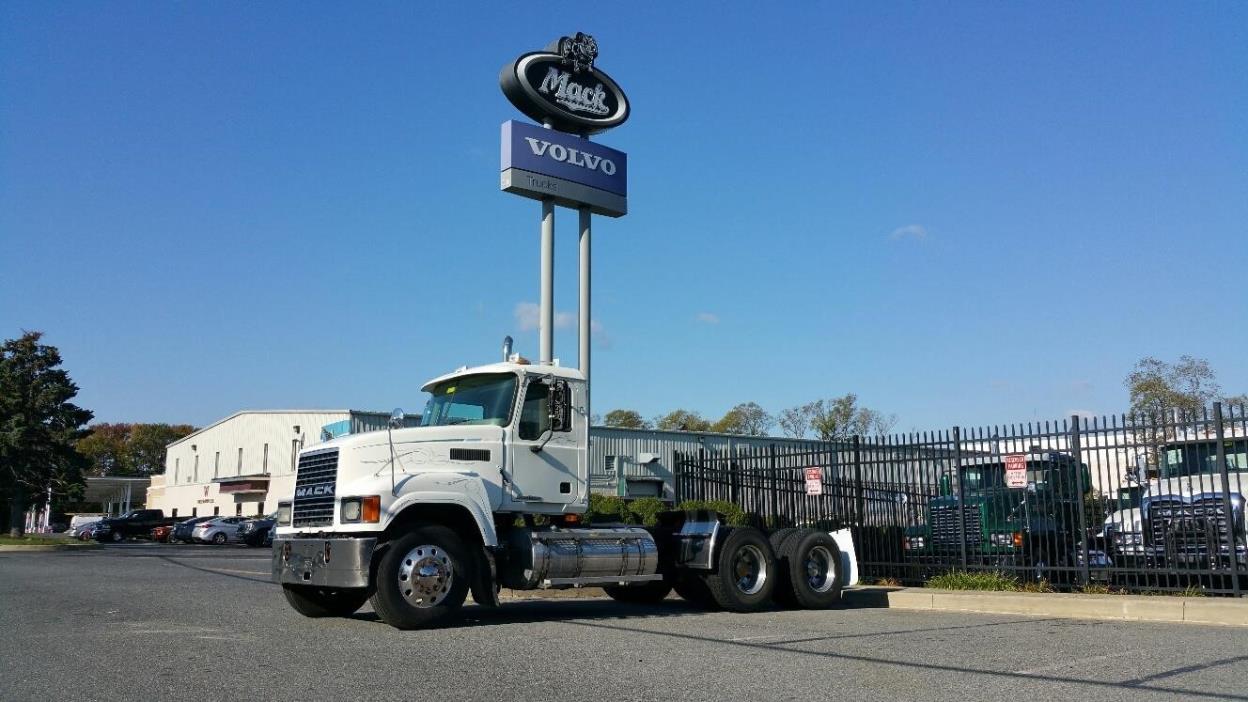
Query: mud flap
[[484, 586], [849, 557]]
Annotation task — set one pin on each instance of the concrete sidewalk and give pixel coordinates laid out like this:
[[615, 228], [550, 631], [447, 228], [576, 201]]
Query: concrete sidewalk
[[1142, 608], [1224, 611]]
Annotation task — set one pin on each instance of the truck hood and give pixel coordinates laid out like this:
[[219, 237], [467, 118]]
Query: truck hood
[[1125, 521], [1189, 486], [416, 448]]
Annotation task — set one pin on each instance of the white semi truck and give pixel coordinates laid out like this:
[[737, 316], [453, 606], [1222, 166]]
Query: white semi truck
[[489, 493]]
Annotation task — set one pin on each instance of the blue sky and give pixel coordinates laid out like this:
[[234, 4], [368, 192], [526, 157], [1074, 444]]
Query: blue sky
[[967, 213]]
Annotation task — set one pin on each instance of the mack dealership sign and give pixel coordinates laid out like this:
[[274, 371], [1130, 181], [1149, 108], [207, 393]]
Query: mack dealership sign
[[545, 164], [562, 88]]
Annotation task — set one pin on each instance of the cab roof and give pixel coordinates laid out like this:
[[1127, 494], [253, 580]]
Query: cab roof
[[517, 368]]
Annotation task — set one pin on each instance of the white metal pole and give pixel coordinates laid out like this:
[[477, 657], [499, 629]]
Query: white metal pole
[[585, 323], [546, 323]]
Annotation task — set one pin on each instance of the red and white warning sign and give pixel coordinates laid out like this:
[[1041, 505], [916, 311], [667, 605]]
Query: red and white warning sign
[[814, 481], [1016, 470]]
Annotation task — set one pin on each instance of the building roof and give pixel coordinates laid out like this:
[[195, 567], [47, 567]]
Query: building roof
[[240, 413]]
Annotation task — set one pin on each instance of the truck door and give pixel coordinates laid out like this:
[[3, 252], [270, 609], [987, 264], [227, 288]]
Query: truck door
[[545, 456]]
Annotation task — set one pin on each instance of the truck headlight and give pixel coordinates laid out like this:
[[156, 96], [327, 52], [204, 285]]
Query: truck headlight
[[361, 509], [1128, 538], [913, 543], [1014, 539], [283, 514]]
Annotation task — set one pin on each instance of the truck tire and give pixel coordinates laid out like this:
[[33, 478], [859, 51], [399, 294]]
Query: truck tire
[[782, 593], [744, 579], [810, 573], [422, 578], [692, 590], [647, 593], [312, 601]]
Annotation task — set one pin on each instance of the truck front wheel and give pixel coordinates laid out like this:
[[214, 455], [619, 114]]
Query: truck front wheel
[[311, 601], [422, 578]]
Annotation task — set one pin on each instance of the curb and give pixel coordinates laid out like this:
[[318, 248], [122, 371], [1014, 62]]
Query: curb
[[45, 548], [1136, 608]]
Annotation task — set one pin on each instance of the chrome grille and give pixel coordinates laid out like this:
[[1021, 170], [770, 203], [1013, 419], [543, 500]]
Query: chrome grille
[[317, 469], [1198, 527], [945, 524]]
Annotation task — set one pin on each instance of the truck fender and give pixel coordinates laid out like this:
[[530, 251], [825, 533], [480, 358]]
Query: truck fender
[[480, 512], [849, 557]]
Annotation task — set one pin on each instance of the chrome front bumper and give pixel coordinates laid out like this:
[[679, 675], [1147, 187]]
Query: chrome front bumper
[[322, 562]]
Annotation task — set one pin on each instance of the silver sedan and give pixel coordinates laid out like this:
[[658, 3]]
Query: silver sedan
[[217, 531]]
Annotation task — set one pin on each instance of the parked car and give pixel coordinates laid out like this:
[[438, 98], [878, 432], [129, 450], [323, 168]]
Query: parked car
[[218, 530], [256, 532], [83, 532], [81, 520], [163, 533], [136, 522], [182, 530]]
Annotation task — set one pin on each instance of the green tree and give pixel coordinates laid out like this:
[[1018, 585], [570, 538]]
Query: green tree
[[682, 420], [625, 419], [146, 448], [1157, 387], [39, 426], [106, 447], [835, 419], [747, 418]]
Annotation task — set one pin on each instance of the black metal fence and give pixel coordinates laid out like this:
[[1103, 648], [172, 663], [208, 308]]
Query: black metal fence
[[1147, 502]]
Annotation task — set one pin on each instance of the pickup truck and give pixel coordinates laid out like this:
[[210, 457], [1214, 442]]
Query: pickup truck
[[136, 522]]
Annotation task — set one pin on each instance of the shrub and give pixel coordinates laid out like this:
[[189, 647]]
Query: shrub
[[645, 510], [732, 513], [605, 509]]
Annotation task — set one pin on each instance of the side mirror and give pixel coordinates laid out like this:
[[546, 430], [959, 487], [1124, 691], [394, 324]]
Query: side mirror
[[397, 418], [946, 485]]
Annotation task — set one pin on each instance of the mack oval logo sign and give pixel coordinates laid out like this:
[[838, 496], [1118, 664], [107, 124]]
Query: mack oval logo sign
[[561, 86]]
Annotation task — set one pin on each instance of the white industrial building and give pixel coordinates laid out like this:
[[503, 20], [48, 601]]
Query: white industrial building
[[233, 466]]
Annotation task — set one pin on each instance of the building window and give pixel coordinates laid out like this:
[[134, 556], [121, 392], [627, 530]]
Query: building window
[[216, 511], [216, 466], [239, 469], [177, 465], [194, 511], [238, 509], [175, 513], [260, 508], [294, 454], [265, 464], [197, 467]]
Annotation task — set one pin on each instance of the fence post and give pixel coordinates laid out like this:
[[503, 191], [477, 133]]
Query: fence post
[[860, 501], [957, 475], [775, 484], [1226, 497], [1076, 449]]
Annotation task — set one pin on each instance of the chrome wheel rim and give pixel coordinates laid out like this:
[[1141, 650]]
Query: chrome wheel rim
[[750, 568], [820, 569], [425, 577]]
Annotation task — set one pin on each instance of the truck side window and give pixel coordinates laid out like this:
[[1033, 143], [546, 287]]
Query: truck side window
[[535, 415]]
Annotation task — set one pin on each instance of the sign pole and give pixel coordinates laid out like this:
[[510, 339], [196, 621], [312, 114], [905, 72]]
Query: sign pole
[[546, 323], [584, 325]]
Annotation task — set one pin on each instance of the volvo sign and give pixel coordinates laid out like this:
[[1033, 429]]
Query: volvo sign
[[561, 87], [574, 172]]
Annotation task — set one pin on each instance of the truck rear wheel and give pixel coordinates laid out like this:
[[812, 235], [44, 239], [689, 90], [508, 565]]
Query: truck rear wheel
[[312, 601], [744, 580], [647, 593], [422, 578], [810, 570]]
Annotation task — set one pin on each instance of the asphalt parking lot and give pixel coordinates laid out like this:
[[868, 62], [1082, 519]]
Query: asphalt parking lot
[[149, 622]]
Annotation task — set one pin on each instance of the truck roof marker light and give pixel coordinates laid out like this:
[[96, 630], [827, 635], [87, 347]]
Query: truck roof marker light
[[1018, 539]]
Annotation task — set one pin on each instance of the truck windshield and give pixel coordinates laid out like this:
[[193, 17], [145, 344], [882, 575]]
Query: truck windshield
[[473, 399], [1201, 458], [991, 476]]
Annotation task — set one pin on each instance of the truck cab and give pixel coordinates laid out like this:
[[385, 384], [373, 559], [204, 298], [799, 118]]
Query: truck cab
[[1192, 515], [1005, 526]]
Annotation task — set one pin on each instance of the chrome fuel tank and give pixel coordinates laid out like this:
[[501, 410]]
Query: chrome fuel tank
[[539, 558]]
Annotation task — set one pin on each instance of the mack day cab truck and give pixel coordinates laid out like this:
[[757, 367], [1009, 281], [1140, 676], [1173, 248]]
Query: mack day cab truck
[[488, 492]]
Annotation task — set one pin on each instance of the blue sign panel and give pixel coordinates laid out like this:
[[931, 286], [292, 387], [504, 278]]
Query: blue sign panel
[[565, 156]]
